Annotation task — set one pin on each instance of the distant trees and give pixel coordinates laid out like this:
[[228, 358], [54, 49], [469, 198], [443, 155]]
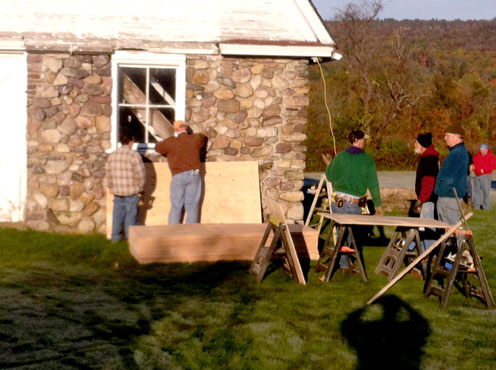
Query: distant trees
[[401, 78]]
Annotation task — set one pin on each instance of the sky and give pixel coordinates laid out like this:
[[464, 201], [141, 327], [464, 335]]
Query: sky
[[419, 9]]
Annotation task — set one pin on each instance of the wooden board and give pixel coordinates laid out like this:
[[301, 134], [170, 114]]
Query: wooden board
[[231, 194], [396, 221], [210, 242]]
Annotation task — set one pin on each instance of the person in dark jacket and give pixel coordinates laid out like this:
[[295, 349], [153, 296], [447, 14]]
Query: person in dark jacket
[[452, 175], [425, 179]]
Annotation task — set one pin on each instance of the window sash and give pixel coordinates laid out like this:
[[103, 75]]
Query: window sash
[[147, 61]]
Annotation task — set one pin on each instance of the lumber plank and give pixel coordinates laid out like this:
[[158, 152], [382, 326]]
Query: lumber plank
[[210, 242], [397, 221]]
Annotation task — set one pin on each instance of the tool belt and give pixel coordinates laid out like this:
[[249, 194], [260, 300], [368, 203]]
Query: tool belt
[[340, 199]]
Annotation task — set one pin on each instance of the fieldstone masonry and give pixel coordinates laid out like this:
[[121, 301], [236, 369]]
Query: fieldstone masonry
[[254, 109], [68, 132], [250, 109]]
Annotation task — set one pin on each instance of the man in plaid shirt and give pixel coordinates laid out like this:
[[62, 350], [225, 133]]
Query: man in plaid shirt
[[125, 179]]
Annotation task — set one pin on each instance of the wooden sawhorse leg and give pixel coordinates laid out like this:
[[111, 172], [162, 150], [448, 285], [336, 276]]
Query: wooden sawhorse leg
[[287, 252], [398, 252], [331, 253], [264, 252]]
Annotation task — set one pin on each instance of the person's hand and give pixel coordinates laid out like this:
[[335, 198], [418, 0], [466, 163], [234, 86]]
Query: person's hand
[[326, 158], [379, 211], [417, 207]]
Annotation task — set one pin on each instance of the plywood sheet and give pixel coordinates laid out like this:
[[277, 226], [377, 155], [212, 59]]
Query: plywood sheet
[[231, 194], [210, 242]]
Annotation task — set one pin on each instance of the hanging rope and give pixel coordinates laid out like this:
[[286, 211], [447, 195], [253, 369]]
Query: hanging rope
[[327, 106]]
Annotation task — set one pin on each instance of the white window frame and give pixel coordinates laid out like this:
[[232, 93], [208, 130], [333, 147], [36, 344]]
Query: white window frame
[[144, 60]]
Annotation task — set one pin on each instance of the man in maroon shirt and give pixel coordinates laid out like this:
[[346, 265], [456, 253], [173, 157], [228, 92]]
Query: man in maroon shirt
[[184, 152], [425, 179]]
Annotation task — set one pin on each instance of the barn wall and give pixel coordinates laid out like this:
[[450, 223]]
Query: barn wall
[[251, 109]]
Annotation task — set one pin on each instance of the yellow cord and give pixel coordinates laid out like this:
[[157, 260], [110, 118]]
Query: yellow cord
[[327, 106]]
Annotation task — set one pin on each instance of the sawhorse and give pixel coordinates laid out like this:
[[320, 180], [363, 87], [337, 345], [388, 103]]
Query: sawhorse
[[332, 252], [447, 270], [320, 189], [281, 246], [402, 248], [347, 221]]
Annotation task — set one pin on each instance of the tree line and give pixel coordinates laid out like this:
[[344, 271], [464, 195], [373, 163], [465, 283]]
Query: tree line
[[400, 78]]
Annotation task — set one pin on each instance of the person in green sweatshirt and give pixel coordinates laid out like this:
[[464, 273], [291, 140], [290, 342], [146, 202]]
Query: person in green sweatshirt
[[352, 172]]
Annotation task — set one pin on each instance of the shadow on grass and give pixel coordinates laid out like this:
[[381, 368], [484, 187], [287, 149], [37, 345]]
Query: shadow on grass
[[388, 334], [77, 317]]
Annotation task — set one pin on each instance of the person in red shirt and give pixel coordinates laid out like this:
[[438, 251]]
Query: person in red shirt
[[483, 166]]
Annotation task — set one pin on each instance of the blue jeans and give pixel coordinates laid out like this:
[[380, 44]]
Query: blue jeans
[[482, 186], [428, 236], [125, 212], [185, 191], [348, 209]]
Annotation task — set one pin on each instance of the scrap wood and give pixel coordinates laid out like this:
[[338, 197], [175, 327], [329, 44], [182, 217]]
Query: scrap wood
[[445, 236]]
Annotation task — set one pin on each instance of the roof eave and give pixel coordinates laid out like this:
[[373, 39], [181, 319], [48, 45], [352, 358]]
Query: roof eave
[[279, 50]]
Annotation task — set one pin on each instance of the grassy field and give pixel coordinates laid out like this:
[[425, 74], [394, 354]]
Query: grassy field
[[80, 302]]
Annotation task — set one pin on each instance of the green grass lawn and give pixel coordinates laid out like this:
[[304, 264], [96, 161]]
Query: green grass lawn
[[80, 302]]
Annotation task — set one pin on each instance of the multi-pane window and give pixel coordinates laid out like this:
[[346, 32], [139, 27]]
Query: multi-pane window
[[150, 97]]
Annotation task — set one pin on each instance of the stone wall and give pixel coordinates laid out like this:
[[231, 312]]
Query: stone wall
[[398, 200], [68, 132], [254, 109], [251, 109]]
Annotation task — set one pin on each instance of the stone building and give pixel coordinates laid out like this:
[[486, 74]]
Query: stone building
[[71, 77]]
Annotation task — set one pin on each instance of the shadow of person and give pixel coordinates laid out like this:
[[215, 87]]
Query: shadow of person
[[203, 172], [147, 198], [386, 334]]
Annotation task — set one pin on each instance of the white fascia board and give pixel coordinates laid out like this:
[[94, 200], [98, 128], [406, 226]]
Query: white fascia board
[[276, 50], [314, 21], [12, 46]]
